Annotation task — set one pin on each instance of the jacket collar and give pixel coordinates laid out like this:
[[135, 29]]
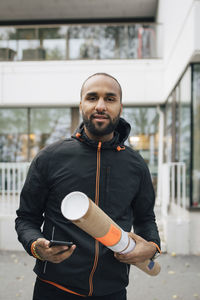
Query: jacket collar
[[117, 142]]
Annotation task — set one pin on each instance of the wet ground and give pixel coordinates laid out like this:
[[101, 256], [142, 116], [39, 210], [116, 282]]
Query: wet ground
[[179, 278]]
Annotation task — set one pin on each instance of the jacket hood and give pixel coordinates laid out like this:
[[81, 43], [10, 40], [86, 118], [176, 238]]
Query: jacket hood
[[120, 135]]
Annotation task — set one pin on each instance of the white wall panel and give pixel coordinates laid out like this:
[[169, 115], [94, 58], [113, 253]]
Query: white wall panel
[[59, 83], [172, 14], [197, 25], [181, 55], [181, 36], [143, 82]]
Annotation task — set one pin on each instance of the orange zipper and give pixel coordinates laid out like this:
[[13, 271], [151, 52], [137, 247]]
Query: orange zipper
[[97, 203], [61, 287]]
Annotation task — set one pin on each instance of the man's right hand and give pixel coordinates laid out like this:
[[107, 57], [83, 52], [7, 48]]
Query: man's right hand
[[55, 254]]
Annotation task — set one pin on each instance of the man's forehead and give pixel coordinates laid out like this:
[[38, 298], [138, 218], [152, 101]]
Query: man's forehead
[[100, 81]]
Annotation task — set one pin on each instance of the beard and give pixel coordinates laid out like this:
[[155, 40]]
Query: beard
[[98, 130]]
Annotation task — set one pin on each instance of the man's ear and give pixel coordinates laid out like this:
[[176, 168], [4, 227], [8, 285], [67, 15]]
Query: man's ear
[[80, 107], [121, 109]]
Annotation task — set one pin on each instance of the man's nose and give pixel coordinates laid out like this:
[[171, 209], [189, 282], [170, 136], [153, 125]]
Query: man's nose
[[100, 106]]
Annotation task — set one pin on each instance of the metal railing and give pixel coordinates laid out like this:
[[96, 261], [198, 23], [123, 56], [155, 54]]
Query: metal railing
[[12, 177], [173, 186]]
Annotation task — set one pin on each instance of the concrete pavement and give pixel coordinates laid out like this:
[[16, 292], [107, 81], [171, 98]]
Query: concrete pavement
[[179, 278]]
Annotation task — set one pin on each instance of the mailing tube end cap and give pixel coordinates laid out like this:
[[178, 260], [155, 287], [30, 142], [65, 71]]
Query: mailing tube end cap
[[74, 206]]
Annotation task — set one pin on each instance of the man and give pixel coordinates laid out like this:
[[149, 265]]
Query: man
[[95, 162]]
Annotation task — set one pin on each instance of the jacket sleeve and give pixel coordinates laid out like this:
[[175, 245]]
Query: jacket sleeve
[[144, 222], [32, 203]]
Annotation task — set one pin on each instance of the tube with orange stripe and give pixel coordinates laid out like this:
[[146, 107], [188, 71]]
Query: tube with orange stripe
[[85, 214]]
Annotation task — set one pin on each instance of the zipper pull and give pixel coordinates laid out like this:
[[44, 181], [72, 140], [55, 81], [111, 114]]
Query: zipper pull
[[99, 146]]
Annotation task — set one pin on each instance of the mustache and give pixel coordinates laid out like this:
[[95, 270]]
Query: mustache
[[93, 116]]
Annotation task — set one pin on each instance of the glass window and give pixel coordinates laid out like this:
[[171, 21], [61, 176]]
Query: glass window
[[177, 123], [94, 41], [185, 125], [146, 41], [144, 135], [13, 135], [84, 42], [178, 126], [8, 45], [53, 41], [28, 45], [47, 125], [196, 136], [112, 41], [24, 131], [168, 131]]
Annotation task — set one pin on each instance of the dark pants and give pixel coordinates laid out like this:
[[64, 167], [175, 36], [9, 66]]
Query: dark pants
[[46, 291]]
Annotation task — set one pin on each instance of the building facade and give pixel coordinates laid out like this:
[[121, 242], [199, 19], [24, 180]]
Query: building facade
[[155, 55]]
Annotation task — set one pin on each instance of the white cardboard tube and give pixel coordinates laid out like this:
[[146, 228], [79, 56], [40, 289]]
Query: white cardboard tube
[[125, 245], [75, 206], [85, 214]]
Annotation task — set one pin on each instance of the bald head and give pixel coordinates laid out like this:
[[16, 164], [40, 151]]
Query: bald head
[[102, 74]]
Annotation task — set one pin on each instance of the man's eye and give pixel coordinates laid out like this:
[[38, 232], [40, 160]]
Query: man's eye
[[110, 99], [92, 98]]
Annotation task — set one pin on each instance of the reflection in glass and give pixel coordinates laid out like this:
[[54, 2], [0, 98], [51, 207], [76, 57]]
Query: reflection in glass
[[196, 136], [184, 125], [27, 43], [92, 41], [144, 135], [176, 121], [168, 131], [8, 46], [178, 126], [13, 135], [23, 132], [84, 42], [47, 125], [111, 41], [53, 40]]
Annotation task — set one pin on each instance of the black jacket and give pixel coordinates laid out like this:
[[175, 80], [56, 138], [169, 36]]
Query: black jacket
[[123, 189]]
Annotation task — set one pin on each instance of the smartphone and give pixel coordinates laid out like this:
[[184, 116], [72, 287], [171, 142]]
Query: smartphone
[[60, 243]]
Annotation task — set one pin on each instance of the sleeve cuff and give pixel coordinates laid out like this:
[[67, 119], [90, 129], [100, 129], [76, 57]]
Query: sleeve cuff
[[157, 247], [34, 251]]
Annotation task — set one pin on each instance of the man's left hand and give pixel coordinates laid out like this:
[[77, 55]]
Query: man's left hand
[[143, 250]]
